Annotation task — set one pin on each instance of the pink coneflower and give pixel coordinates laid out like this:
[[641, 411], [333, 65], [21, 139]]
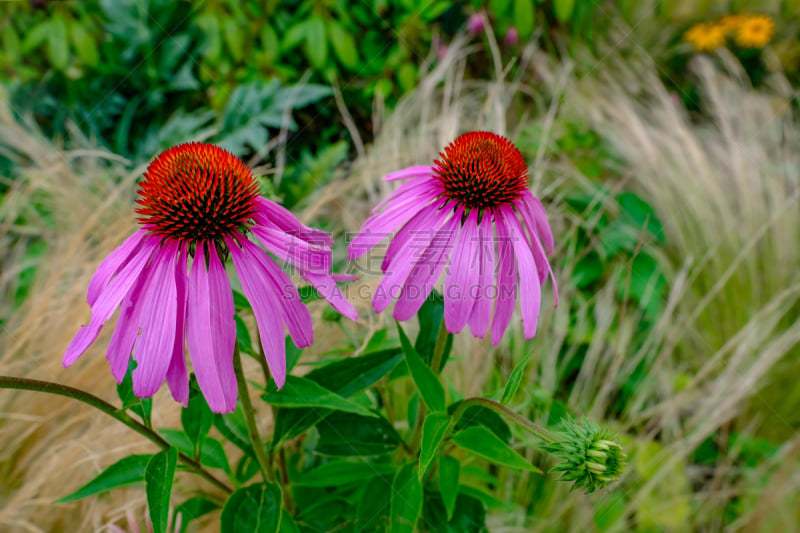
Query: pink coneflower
[[199, 204], [464, 210]]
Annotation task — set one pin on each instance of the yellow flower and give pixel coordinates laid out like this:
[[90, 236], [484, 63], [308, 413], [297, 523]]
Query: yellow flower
[[755, 31], [705, 37], [730, 23]]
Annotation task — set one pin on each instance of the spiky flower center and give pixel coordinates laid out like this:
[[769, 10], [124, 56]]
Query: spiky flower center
[[481, 170], [196, 192]]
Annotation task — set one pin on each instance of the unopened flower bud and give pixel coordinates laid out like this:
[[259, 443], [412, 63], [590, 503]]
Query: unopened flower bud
[[512, 36], [476, 23]]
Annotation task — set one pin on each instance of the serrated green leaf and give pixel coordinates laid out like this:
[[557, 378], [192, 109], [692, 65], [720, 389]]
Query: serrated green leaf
[[430, 388], [303, 392], [338, 473], [255, 508], [515, 379], [434, 429], [487, 445], [449, 471], [124, 472], [406, 503], [524, 17], [158, 478], [344, 46], [316, 45]]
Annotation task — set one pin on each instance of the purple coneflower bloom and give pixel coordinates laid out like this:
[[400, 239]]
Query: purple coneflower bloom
[[200, 203], [473, 210]]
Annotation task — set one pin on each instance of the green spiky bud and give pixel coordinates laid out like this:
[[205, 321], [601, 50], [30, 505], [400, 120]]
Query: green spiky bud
[[592, 458]]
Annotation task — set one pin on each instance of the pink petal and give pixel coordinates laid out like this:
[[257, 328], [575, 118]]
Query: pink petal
[[481, 314], [201, 333], [536, 212], [109, 299], [223, 332], [124, 336], [413, 238], [410, 172], [427, 269], [293, 311], [344, 278], [153, 349], [264, 302], [112, 264], [379, 226], [290, 249], [326, 286], [177, 376], [530, 291], [277, 215], [411, 189], [462, 276], [539, 255], [506, 281]]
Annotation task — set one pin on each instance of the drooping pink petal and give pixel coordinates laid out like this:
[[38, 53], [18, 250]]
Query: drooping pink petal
[[344, 278], [290, 249], [412, 241], [462, 276], [537, 213], [408, 234], [112, 264], [327, 287], [153, 348], [109, 299], [177, 376], [427, 269], [270, 213], [264, 302], [529, 288], [223, 326], [121, 345], [411, 189], [200, 333], [293, 311], [506, 281], [379, 226], [410, 172], [539, 255], [481, 315]]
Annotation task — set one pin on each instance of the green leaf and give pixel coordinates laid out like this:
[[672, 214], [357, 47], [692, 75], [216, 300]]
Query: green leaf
[[515, 379], [478, 415], [197, 418], [587, 270], [124, 472], [35, 37], [449, 471], [213, 454], [338, 473], [406, 504], [346, 434], [344, 46], [240, 302], [194, 508], [523, 18], [255, 508], [158, 477], [430, 388], [430, 317], [499, 7], [270, 43], [407, 76], [234, 38], [178, 439], [288, 524], [293, 36], [434, 429], [84, 44], [563, 9], [373, 509], [303, 392], [234, 428], [468, 516], [640, 214], [485, 444], [139, 406], [344, 377], [316, 46]]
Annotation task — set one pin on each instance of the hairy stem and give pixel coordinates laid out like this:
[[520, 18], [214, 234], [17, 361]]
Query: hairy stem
[[8, 382], [504, 411]]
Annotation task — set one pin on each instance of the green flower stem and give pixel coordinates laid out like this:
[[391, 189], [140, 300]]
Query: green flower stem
[[438, 349], [249, 416], [541, 433], [8, 382]]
